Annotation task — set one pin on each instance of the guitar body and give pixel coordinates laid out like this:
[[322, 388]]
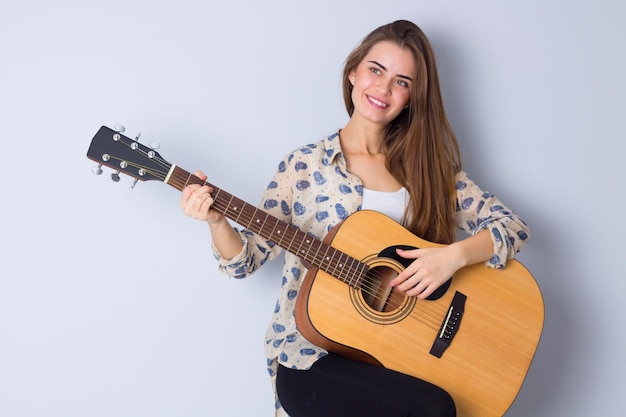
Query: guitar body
[[488, 357]]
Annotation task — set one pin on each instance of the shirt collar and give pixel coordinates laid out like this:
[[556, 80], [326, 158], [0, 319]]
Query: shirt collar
[[332, 147]]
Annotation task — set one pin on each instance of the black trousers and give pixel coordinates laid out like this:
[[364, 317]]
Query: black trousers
[[342, 387]]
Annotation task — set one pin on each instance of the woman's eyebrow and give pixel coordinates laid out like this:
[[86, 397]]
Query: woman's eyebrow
[[406, 77]]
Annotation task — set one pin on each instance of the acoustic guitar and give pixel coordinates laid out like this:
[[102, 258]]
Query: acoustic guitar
[[475, 336]]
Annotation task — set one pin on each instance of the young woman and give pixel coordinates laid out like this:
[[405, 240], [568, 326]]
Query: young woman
[[398, 155]]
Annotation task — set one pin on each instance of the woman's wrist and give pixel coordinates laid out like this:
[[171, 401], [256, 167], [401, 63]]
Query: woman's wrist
[[474, 249], [225, 239]]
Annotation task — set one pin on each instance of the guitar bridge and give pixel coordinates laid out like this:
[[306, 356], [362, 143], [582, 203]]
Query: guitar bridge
[[450, 325]]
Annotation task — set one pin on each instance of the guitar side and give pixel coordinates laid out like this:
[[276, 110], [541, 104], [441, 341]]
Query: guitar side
[[487, 360]]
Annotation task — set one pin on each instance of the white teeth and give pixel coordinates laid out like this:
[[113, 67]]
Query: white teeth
[[378, 102]]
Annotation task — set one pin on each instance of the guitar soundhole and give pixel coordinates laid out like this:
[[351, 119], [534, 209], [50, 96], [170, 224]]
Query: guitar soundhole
[[377, 292], [374, 298]]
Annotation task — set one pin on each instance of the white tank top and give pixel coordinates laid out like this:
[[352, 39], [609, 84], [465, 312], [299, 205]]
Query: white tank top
[[392, 204]]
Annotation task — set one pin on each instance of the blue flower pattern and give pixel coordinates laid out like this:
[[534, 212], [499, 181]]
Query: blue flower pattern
[[313, 190]]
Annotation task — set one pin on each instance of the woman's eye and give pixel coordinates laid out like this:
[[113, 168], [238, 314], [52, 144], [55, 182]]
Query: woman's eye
[[375, 70], [402, 83]]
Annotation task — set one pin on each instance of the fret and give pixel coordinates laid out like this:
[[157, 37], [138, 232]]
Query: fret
[[241, 208], [217, 199], [254, 222], [352, 273], [228, 207], [360, 274], [291, 242], [315, 243], [332, 262], [299, 237], [315, 257], [248, 212], [271, 234], [347, 270], [235, 209], [187, 181], [340, 268], [341, 265], [303, 240], [326, 258], [282, 235], [262, 225], [311, 241]]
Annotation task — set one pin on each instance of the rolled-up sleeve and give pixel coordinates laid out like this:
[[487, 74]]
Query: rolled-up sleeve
[[256, 250], [479, 210], [253, 255]]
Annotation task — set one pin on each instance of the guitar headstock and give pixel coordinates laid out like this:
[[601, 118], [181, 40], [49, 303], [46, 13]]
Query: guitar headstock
[[112, 149]]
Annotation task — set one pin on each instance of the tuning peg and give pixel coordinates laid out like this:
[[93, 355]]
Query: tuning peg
[[137, 137], [154, 145], [132, 187], [97, 169], [115, 177], [120, 128]]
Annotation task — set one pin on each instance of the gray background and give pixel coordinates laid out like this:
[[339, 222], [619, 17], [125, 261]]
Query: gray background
[[110, 302]]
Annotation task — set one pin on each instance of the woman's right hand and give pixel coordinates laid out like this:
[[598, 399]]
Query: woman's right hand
[[196, 201]]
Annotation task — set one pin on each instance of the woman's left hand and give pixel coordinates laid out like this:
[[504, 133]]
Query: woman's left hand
[[431, 268]]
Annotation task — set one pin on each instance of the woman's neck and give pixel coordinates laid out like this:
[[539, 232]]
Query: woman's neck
[[360, 138], [364, 152]]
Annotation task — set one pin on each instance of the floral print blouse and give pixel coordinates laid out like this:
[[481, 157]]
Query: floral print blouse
[[313, 190]]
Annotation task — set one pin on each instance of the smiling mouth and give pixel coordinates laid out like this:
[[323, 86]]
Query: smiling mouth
[[377, 102]]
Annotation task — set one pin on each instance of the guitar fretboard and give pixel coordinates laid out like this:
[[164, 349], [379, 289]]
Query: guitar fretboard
[[287, 236]]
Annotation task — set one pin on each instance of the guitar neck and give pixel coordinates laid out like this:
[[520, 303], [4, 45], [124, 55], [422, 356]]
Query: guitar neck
[[287, 236], [111, 148]]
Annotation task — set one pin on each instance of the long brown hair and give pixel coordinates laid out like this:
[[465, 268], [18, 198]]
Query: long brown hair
[[421, 149]]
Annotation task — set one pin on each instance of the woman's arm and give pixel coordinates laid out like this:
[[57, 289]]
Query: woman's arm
[[196, 202], [478, 210], [432, 267], [496, 234]]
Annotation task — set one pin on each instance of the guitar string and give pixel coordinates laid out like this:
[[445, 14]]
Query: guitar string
[[179, 184], [243, 217], [367, 287]]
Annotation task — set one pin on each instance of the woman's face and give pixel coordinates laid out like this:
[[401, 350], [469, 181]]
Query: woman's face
[[382, 83]]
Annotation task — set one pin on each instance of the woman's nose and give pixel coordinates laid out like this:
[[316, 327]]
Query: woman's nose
[[384, 86]]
